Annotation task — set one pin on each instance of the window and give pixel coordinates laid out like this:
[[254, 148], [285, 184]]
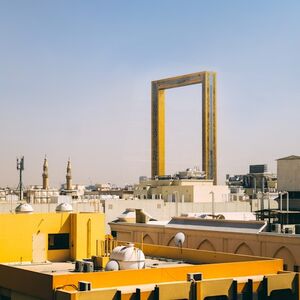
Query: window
[[58, 241]]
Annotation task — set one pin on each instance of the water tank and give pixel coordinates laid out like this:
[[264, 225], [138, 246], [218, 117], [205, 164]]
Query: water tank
[[112, 265], [128, 257], [64, 207], [24, 208]]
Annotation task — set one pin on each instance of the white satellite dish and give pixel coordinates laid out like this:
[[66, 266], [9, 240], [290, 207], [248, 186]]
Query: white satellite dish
[[179, 239]]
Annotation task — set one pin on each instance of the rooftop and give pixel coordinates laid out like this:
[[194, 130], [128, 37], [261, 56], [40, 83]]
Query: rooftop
[[291, 157], [198, 223], [166, 271], [69, 267], [217, 225]]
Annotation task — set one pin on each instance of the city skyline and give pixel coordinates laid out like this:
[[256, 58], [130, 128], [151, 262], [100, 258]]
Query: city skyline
[[75, 81]]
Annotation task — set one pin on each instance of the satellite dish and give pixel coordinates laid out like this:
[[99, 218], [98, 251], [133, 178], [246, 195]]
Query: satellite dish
[[64, 207], [112, 265], [179, 239]]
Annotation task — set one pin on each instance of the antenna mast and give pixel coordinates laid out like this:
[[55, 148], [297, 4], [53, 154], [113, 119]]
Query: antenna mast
[[20, 168]]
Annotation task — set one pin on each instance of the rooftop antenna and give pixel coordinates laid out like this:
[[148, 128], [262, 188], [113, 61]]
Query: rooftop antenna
[[20, 168]]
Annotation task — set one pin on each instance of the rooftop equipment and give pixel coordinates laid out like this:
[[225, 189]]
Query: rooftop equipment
[[23, 208], [64, 207], [126, 258], [20, 168], [179, 239], [112, 265]]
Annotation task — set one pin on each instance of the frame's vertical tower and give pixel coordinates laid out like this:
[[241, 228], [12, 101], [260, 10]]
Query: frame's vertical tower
[[209, 117], [158, 131], [209, 126]]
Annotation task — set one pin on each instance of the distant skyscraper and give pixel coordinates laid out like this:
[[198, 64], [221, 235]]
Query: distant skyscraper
[[45, 174]]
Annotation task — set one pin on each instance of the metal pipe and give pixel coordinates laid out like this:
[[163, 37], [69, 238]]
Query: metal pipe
[[269, 207], [263, 191], [212, 203], [287, 207]]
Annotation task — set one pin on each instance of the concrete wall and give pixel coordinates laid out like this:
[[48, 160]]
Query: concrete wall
[[204, 193], [158, 209], [91, 206], [182, 190], [161, 210], [262, 244], [288, 174]]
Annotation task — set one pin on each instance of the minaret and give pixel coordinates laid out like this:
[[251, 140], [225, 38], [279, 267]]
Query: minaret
[[45, 174], [69, 176]]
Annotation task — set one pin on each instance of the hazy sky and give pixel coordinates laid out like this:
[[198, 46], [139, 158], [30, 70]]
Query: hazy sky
[[75, 82]]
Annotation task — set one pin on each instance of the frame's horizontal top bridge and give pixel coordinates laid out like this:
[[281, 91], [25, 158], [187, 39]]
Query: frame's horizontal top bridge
[[179, 81]]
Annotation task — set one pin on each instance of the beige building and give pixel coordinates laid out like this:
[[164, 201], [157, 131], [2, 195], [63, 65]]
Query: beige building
[[37, 194], [3, 194], [182, 190], [288, 173], [240, 237]]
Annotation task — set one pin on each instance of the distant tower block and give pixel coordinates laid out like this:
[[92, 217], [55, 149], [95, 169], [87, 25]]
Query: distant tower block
[[209, 117], [69, 176], [45, 174]]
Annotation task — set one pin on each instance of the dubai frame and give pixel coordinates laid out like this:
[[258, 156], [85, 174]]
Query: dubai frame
[[209, 124]]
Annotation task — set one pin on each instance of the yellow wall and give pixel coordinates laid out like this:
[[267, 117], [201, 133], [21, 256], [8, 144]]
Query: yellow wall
[[18, 280], [159, 275], [86, 230], [18, 232]]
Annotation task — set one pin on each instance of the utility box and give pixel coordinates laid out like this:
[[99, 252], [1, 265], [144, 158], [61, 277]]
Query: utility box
[[194, 276], [88, 266], [100, 262], [79, 266], [84, 286]]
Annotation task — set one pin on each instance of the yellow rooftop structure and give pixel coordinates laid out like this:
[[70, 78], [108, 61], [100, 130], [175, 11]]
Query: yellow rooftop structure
[[172, 273], [42, 237], [65, 256]]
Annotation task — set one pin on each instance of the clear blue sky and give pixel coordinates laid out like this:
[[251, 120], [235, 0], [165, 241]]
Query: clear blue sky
[[75, 82]]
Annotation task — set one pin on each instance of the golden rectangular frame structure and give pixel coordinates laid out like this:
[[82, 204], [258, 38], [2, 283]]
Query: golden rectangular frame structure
[[209, 121]]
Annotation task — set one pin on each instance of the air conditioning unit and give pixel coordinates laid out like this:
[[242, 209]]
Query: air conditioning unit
[[88, 266], [84, 286], [289, 229], [194, 276], [79, 266]]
